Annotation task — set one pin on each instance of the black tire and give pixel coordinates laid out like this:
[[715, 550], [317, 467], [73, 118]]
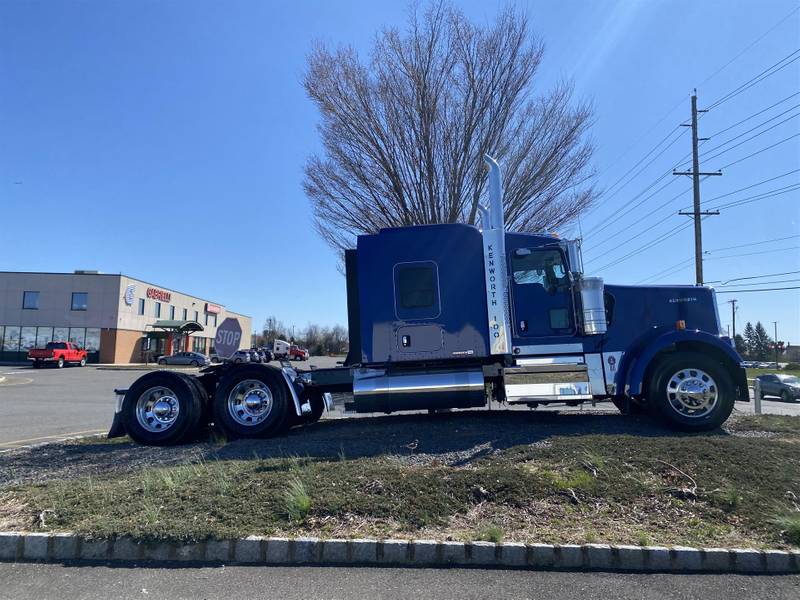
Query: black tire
[[317, 408], [162, 362], [661, 396], [786, 396], [60, 362], [243, 422], [37, 364], [194, 363], [83, 362], [634, 407], [188, 398]]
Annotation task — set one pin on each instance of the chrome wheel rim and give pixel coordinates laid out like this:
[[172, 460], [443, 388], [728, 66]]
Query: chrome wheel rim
[[157, 409], [250, 402], [692, 393]]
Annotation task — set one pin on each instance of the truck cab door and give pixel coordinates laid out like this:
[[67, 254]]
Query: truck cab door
[[541, 293]]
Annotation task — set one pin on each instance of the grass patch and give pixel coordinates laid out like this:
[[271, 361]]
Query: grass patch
[[491, 533], [720, 490], [789, 525], [770, 423]]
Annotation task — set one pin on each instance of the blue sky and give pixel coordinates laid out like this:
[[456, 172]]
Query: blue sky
[[166, 140]]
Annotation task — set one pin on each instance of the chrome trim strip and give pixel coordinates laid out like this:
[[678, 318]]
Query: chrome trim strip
[[549, 349], [550, 360]]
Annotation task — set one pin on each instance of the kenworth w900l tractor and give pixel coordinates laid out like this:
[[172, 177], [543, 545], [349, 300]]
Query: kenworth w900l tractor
[[456, 316]]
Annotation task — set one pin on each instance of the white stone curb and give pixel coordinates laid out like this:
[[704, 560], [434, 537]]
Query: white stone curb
[[57, 547]]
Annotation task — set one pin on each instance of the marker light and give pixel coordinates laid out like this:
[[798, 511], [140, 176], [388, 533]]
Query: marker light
[[680, 325]]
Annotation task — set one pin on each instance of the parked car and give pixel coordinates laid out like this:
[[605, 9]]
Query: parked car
[[297, 353], [58, 354], [787, 387], [240, 356], [194, 359], [267, 355], [255, 356]]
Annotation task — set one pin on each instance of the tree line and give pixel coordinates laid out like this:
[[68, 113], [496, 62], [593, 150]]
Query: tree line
[[756, 343], [319, 340]]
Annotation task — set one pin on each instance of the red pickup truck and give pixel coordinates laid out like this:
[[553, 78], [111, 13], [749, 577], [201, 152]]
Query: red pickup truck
[[297, 353], [59, 354]]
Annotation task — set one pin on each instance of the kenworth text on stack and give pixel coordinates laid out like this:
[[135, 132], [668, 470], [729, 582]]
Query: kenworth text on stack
[[453, 316]]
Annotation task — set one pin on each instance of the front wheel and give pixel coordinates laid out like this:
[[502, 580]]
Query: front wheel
[[691, 391], [194, 363], [83, 362], [252, 401], [162, 362], [786, 396]]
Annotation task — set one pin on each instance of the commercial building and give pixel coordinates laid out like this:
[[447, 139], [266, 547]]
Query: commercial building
[[117, 318]]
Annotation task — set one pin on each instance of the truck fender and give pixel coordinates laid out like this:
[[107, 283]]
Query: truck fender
[[687, 341]]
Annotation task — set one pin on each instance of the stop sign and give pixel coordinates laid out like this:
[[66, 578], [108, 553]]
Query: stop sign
[[229, 334]]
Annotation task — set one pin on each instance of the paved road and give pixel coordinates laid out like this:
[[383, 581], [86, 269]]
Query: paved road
[[49, 404], [42, 582]]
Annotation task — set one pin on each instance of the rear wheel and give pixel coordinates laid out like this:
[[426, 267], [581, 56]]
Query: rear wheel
[[60, 362], [194, 363], [161, 408], [691, 391], [37, 364], [252, 401], [162, 361]]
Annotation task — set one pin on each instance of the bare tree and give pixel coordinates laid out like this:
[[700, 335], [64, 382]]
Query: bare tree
[[404, 134]]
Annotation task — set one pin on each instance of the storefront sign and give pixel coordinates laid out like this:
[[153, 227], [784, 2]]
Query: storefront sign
[[157, 294], [214, 309], [130, 292]]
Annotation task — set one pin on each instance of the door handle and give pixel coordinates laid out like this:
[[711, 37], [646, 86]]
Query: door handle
[[405, 341], [523, 325]]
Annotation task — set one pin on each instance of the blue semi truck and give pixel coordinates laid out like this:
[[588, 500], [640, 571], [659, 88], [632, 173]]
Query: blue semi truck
[[457, 316]]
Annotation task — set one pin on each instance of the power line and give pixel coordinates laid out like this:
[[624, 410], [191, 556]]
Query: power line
[[762, 196], [780, 239], [647, 246], [760, 151], [668, 271], [757, 78], [759, 290], [752, 136], [756, 277], [758, 39], [762, 111], [755, 253], [731, 193], [760, 283], [612, 237]]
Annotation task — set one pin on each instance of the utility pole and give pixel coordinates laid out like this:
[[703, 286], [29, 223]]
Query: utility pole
[[775, 323], [696, 213], [733, 318]]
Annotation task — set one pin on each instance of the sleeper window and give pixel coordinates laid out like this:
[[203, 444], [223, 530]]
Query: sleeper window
[[416, 290]]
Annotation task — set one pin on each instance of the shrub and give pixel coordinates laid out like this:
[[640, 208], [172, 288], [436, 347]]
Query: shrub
[[296, 500]]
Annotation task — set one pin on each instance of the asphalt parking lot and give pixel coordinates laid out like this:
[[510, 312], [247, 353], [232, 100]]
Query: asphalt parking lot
[[43, 405]]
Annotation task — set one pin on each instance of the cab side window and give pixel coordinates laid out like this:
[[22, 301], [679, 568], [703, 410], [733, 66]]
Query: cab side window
[[540, 267]]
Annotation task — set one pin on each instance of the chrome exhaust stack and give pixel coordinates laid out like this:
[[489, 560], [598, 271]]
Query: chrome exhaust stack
[[494, 262]]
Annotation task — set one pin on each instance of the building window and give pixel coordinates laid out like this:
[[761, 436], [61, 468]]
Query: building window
[[141, 306], [30, 300], [172, 312], [185, 314], [80, 300], [214, 320], [157, 310], [197, 316], [208, 318]]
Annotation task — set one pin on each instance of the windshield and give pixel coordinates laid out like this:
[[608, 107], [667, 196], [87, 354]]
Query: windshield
[[790, 379]]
